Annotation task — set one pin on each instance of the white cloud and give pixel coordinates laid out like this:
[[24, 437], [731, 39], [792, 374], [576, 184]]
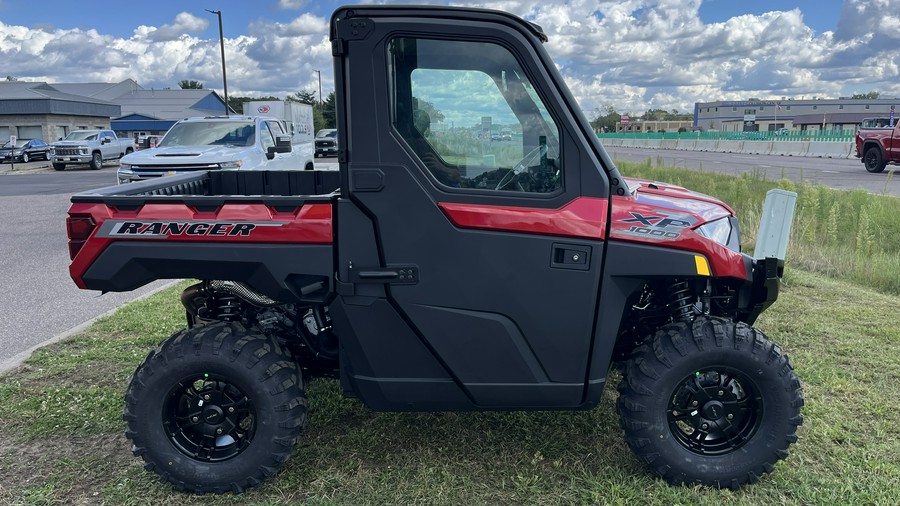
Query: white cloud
[[631, 54], [184, 23]]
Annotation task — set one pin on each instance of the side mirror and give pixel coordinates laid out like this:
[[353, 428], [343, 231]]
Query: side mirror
[[282, 145]]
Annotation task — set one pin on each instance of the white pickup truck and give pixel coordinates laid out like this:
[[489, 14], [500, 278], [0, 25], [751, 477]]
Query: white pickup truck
[[218, 142], [91, 147]]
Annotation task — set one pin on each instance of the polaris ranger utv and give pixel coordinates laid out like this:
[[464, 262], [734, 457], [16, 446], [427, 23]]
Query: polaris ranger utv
[[441, 270]]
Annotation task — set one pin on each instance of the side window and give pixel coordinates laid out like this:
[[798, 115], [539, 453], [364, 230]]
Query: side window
[[266, 136], [473, 119]]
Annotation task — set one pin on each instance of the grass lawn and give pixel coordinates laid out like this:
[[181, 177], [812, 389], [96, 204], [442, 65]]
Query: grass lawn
[[61, 433]]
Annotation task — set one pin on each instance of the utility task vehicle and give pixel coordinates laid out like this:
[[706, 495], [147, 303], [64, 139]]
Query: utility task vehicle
[[437, 270]]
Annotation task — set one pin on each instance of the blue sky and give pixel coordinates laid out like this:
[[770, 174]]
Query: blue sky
[[631, 55], [124, 16]]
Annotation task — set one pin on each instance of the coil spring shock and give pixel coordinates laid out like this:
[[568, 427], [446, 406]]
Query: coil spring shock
[[227, 308], [680, 300]]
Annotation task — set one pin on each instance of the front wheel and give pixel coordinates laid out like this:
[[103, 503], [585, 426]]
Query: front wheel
[[59, 166], [25, 158], [710, 402], [873, 160], [96, 161], [215, 408]]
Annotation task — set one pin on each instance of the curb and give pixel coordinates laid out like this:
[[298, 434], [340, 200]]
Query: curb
[[18, 359]]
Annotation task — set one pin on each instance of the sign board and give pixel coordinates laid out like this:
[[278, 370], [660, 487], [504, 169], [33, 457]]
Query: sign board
[[625, 119], [749, 118], [12, 140]]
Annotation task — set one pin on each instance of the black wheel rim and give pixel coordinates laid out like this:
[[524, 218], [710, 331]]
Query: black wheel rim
[[715, 411], [209, 419]]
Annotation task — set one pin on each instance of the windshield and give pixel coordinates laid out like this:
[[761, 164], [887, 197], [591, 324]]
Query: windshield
[[19, 143], [326, 133], [218, 133], [85, 135]]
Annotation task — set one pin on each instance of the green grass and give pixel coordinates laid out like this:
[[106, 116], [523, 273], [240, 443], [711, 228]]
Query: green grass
[[62, 442], [61, 436]]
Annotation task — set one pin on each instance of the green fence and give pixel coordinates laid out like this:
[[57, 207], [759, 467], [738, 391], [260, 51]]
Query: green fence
[[790, 135]]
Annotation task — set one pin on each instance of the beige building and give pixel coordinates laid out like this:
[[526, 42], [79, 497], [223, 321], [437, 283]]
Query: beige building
[[769, 115]]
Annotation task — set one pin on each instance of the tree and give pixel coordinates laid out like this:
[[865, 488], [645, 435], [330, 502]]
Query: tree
[[328, 111], [302, 96], [870, 95], [236, 103], [427, 107], [605, 118], [190, 84]]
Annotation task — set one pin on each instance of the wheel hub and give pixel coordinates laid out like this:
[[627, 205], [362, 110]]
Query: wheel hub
[[715, 411], [209, 418], [213, 415]]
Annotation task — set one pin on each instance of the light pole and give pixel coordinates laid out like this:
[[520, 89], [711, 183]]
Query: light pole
[[222, 46], [320, 85]]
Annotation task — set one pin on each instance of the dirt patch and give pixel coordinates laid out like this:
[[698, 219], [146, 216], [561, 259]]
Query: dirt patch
[[71, 468]]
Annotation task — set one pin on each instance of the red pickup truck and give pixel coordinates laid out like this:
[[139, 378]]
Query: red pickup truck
[[437, 270], [879, 144]]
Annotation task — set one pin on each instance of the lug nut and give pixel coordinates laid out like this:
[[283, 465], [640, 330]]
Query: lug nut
[[206, 397], [730, 417], [195, 419], [721, 393], [695, 403], [231, 410], [705, 426], [218, 431]]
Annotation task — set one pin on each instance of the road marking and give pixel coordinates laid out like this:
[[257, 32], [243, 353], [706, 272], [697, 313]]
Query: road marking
[[766, 166], [831, 172]]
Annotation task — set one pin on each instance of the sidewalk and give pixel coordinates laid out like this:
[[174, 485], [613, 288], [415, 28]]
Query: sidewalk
[[6, 169]]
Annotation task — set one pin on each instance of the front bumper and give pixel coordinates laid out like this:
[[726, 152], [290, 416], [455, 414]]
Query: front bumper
[[762, 287], [70, 159]]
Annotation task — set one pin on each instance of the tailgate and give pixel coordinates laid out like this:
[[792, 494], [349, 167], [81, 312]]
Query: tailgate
[[281, 246]]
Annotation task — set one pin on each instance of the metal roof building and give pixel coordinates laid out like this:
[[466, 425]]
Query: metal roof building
[[51, 111]]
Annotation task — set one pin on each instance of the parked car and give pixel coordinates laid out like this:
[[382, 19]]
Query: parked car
[[326, 142], [25, 150], [91, 147], [218, 142]]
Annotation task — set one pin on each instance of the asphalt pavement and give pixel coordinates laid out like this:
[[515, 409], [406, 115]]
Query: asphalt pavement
[[40, 302]]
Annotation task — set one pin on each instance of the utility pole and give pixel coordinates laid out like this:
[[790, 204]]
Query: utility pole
[[222, 46], [320, 85]]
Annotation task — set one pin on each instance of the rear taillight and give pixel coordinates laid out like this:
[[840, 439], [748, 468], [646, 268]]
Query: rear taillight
[[79, 228]]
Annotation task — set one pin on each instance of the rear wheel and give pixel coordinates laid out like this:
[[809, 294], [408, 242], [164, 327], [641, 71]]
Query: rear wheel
[[59, 166], [710, 402], [96, 161], [215, 408], [873, 160]]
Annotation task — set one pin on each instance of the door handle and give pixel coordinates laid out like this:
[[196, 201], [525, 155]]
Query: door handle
[[570, 256]]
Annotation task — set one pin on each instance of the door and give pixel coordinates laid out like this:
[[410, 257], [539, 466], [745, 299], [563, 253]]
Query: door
[[466, 217]]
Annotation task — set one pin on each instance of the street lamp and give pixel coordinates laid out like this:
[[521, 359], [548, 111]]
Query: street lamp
[[320, 85], [222, 46]]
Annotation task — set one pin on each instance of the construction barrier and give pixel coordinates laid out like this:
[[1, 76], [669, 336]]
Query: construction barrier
[[757, 148], [668, 143], [652, 143], [729, 146], [828, 149], [706, 145], [790, 148], [685, 144]]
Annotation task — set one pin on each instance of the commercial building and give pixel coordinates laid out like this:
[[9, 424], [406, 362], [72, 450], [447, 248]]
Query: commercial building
[[50, 111], [770, 115]]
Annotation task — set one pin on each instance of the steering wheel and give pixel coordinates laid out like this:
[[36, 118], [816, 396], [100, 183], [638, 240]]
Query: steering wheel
[[520, 169]]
